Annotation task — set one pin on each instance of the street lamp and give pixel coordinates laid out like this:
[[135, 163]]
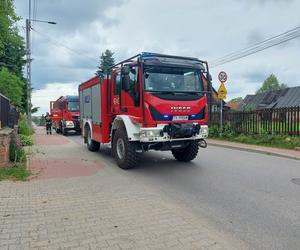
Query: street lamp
[[28, 60]]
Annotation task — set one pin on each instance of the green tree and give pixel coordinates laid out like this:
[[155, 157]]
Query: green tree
[[11, 86], [271, 84], [12, 45], [106, 61], [12, 52], [237, 99]]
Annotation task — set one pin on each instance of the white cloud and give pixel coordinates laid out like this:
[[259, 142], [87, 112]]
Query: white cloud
[[204, 29], [42, 97]]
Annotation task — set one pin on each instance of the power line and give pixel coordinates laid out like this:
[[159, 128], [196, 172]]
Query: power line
[[59, 44], [261, 46], [265, 44], [259, 43]]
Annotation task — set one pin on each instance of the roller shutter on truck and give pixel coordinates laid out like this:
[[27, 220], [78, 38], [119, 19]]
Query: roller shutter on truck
[[90, 104]]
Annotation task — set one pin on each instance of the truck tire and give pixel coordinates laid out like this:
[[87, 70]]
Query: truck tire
[[64, 131], [188, 153], [91, 144], [124, 151]]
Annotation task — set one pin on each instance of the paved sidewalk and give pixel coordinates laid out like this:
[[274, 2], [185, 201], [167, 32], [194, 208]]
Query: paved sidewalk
[[288, 153], [98, 207]]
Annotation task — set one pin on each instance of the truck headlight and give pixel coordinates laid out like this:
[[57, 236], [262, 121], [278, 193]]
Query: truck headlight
[[150, 133], [204, 130]]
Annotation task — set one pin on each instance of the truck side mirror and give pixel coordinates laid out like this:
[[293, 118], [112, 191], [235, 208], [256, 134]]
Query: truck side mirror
[[125, 70]]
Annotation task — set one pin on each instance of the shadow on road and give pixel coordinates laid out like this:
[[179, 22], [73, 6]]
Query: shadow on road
[[152, 163]]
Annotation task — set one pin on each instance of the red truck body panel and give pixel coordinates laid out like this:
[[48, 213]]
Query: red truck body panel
[[148, 102], [65, 109]]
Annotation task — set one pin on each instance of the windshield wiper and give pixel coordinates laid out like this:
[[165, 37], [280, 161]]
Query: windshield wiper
[[176, 92], [161, 92]]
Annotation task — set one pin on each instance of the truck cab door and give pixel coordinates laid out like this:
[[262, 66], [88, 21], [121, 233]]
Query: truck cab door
[[116, 88], [130, 98]]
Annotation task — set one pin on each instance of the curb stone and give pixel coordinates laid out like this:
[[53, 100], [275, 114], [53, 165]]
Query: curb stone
[[260, 151]]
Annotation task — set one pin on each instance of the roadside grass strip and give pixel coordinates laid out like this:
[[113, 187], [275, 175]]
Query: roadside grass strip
[[16, 172]]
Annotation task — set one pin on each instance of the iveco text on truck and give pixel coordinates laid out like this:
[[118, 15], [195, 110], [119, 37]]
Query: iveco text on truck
[[148, 102]]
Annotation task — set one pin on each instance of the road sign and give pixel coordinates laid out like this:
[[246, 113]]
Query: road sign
[[222, 91], [222, 76]]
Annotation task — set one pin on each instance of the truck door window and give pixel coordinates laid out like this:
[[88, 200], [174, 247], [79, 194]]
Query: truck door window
[[134, 86], [117, 83]]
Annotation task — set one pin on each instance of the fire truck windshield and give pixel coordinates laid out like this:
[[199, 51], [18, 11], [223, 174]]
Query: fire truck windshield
[[170, 79], [73, 106]]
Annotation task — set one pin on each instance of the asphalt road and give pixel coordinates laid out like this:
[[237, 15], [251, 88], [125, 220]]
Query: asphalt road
[[253, 197]]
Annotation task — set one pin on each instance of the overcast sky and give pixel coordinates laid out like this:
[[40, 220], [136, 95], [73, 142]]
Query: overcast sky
[[204, 29]]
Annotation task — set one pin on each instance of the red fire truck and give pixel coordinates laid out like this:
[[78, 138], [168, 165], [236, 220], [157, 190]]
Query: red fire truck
[[148, 102], [65, 114]]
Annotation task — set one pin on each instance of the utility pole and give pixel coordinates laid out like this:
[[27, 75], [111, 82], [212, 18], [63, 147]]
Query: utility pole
[[221, 115], [28, 60]]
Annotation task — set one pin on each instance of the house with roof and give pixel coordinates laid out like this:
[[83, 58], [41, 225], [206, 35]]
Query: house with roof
[[285, 98], [233, 105]]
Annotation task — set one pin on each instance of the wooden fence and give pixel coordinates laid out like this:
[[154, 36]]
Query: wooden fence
[[272, 121]]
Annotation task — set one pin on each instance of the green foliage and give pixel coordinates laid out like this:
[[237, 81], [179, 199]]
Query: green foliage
[[106, 61], [11, 86], [24, 129], [237, 99], [34, 110], [16, 152], [12, 52], [214, 131], [281, 141], [26, 140], [271, 84], [12, 46], [264, 138], [226, 132], [16, 172]]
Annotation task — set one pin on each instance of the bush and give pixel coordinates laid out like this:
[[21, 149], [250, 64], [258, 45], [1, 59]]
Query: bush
[[225, 132], [16, 152], [24, 129], [264, 138], [213, 131], [26, 140]]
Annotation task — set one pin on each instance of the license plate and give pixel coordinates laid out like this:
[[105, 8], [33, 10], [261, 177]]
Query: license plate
[[180, 117]]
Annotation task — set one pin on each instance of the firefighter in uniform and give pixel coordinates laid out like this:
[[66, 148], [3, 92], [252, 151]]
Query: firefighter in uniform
[[48, 123]]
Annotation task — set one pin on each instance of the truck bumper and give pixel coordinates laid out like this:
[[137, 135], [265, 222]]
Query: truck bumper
[[72, 125], [173, 132]]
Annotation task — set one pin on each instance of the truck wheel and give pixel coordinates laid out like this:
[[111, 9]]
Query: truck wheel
[[188, 153], [64, 131], [124, 151], [91, 144]]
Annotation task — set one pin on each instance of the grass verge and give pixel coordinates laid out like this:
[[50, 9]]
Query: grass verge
[[16, 172], [264, 139]]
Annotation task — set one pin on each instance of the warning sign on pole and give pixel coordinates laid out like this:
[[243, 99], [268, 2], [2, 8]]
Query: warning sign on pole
[[222, 92]]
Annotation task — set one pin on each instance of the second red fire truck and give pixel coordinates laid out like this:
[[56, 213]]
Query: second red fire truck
[[65, 114], [148, 102]]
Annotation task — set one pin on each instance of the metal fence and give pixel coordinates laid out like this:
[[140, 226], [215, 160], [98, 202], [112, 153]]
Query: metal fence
[[271, 121], [9, 115]]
